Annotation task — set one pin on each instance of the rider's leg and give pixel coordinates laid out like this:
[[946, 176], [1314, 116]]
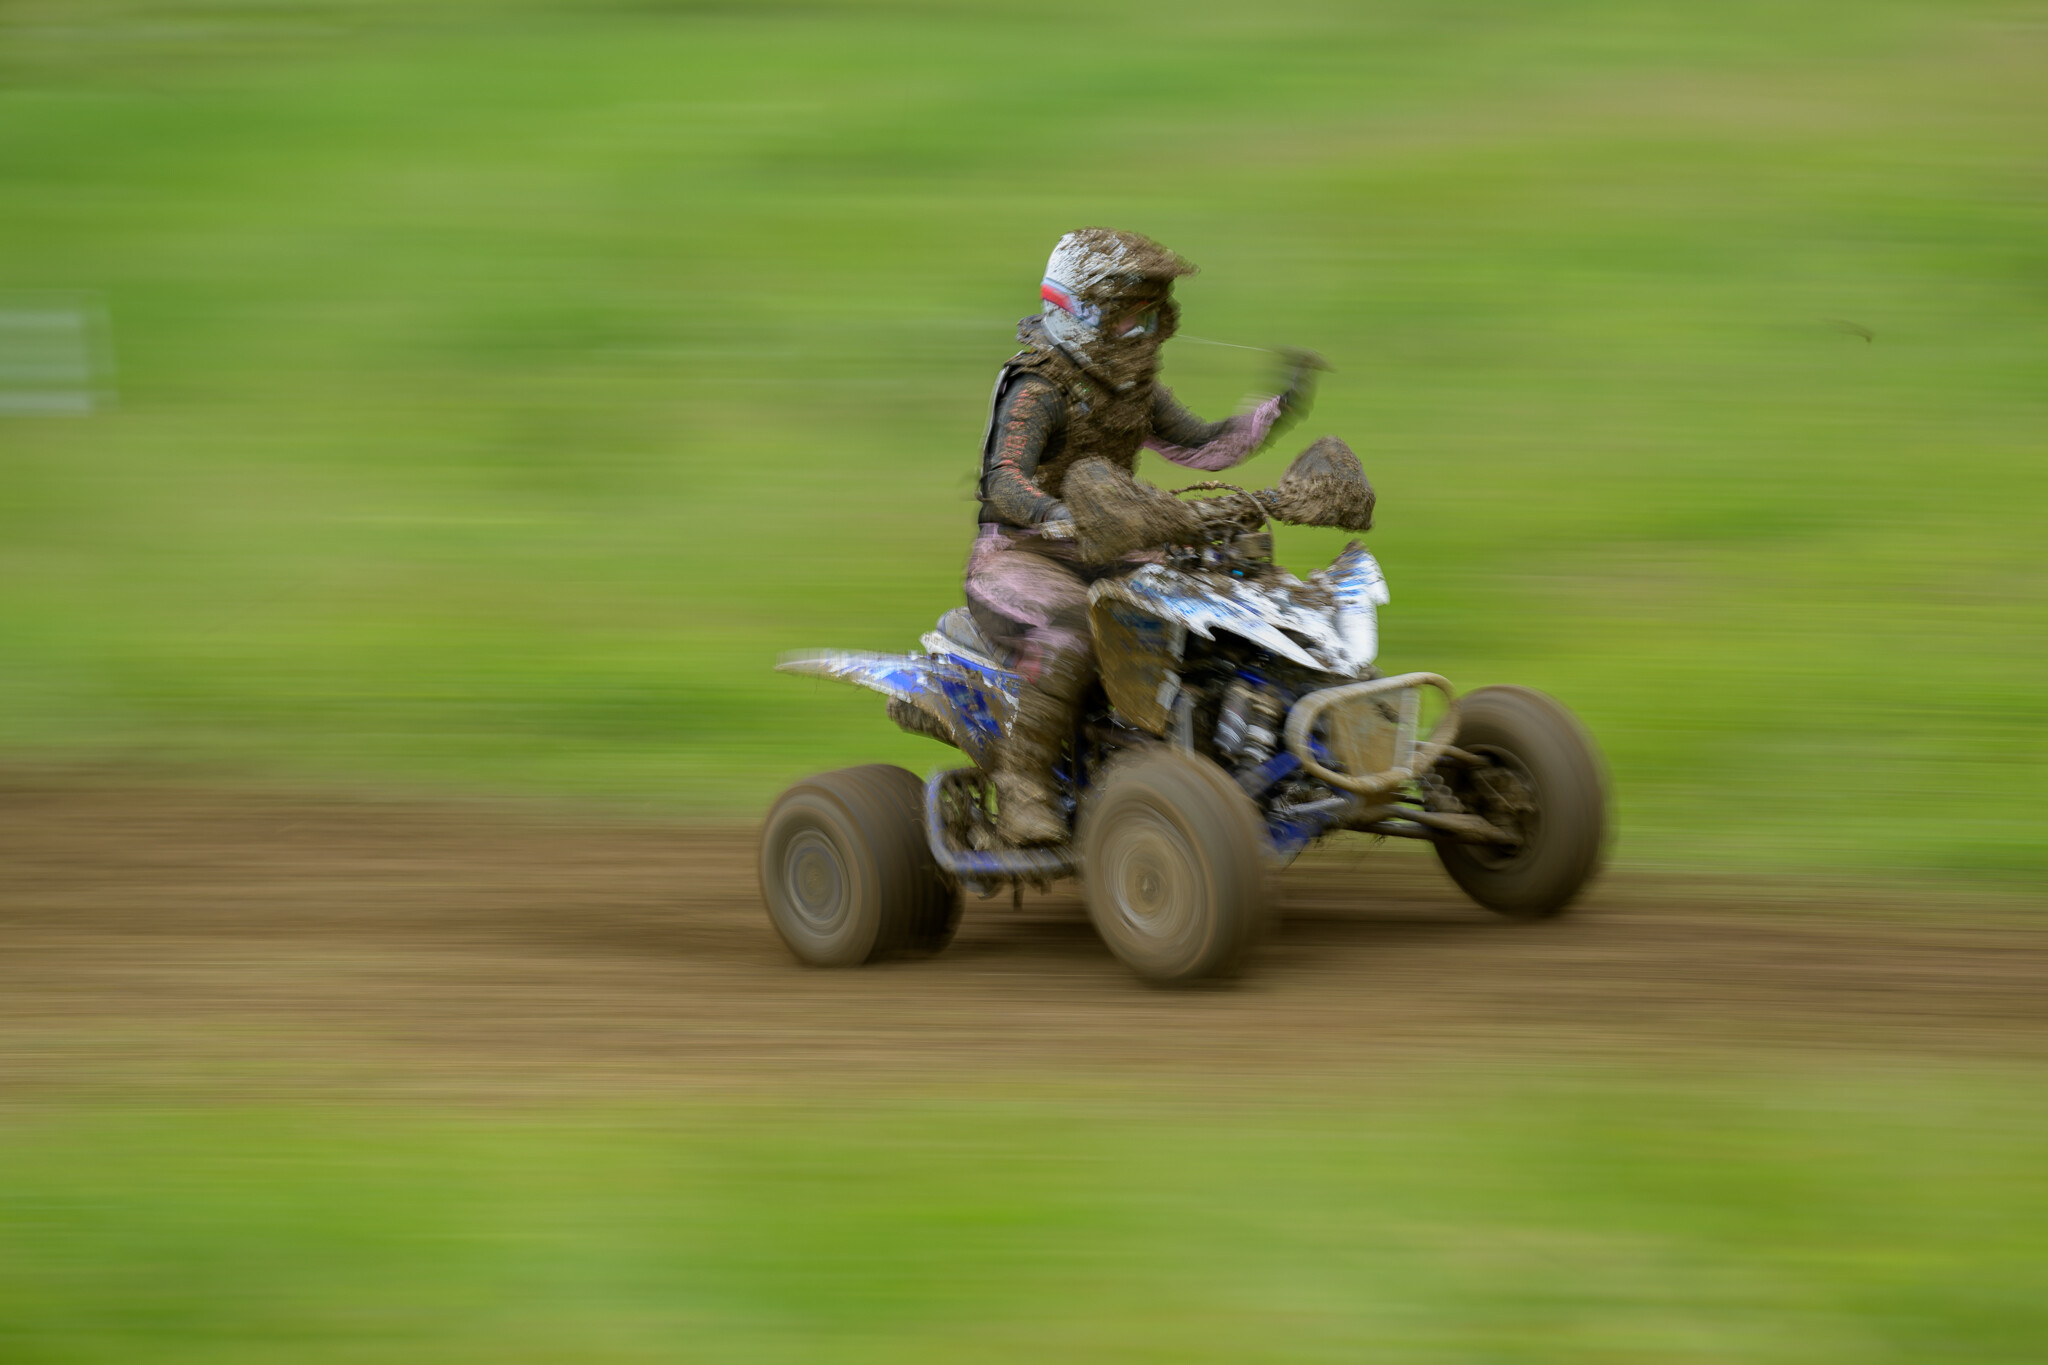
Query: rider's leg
[[1045, 604], [1057, 667]]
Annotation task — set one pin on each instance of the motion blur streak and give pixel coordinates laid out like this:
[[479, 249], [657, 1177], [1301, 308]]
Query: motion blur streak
[[451, 397]]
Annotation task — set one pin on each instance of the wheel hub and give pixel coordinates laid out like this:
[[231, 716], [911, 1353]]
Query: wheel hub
[[1504, 794], [1152, 878], [816, 880]]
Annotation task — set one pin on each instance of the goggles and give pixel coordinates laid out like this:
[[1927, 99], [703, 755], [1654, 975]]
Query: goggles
[[1140, 321], [1055, 293]]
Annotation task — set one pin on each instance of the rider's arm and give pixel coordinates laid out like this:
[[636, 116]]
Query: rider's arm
[[1187, 440], [1030, 415]]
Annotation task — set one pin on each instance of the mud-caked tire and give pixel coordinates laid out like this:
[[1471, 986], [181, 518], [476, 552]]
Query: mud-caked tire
[[1173, 858], [1538, 756], [846, 873]]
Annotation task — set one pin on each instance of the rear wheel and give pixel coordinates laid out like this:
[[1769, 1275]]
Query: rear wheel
[[1541, 778], [846, 873], [1174, 859]]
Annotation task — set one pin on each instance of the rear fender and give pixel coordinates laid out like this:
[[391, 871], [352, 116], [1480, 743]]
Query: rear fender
[[974, 702]]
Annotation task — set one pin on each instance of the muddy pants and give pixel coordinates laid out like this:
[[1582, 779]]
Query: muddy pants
[[1030, 599]]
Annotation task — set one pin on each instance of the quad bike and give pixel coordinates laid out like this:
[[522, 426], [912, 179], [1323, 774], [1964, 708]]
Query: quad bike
[[1239, 718]]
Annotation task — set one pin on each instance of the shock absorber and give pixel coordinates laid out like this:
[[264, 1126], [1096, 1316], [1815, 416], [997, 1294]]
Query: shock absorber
[[1233, 721], [1262, 734], [1248, 726]]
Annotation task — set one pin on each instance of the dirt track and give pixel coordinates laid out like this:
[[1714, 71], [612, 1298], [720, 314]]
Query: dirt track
[[155, 931]]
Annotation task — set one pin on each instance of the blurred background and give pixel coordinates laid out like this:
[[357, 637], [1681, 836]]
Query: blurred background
[[466, 398], [501, 387]]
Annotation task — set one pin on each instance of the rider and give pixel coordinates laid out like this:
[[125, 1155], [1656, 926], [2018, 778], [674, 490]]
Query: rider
[[1083, 386]]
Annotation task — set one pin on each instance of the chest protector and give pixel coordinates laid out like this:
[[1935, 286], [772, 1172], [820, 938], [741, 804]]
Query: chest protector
[[1099, 422]]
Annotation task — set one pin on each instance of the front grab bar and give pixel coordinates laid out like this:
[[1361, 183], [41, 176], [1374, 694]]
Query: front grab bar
[[1419, 759]]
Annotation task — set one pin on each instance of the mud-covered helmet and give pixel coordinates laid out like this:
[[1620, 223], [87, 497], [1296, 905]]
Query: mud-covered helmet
[[1109, 298]]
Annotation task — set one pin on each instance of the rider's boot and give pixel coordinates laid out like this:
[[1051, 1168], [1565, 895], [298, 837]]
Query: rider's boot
[[1027, 799]]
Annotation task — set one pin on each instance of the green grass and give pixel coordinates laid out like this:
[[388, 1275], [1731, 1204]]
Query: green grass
[[503, 387], [1852, 1214]]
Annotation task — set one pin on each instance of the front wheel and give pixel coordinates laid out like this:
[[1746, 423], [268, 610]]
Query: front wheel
[[1174, 859], [846, 872], [1539, 776]]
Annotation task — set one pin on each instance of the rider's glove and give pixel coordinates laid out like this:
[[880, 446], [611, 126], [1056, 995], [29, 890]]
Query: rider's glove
[[1057, 523], [1299, 392]]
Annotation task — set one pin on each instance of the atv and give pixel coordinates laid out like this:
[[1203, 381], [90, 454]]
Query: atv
[[1238, 720]]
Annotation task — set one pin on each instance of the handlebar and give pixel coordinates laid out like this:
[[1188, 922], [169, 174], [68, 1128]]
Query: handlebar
[[1243, 512]]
